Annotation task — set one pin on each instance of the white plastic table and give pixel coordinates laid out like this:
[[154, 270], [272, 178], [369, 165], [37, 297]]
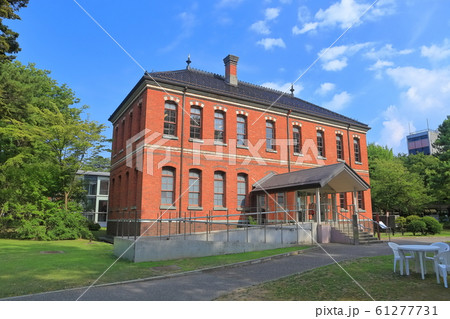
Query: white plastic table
[[420, 250]]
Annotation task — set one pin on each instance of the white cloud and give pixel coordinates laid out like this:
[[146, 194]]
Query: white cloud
[[303, 14], [283, 87], [335, 58], [395, 128], [425, 90], [380, 64], [325, 88], [335, 65], [386, 52], [260, 27], [346, 13], [339, 101], [436, 53], [342, 14], [270, 43], [306, 27], [272, 13]]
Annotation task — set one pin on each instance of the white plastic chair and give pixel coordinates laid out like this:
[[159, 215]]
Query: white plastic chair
[[398, 257], [443, 265], [442, 247]]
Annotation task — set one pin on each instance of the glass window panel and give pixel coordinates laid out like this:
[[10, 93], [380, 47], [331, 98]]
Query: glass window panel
[[104, 187], [103, 206]]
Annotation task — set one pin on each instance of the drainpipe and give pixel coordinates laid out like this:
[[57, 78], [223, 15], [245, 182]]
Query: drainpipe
[[288, 144], [180, 201]]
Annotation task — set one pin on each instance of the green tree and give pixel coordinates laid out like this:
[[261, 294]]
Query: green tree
[[442, 142], [377, 152], [428, 168], [8, 38], [395, 189], [44, 139]]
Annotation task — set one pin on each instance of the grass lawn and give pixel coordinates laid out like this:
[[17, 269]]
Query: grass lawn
[[443, 233], [375, 274], [24, 269]]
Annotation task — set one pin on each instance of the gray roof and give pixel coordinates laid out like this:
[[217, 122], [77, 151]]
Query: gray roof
[[80, 172], [331, 178], [214, 83]]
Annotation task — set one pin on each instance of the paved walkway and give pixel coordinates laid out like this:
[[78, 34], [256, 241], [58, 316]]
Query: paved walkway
[[210, 284]]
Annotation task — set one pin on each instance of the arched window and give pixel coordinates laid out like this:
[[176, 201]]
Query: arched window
[[320, 144], [270, 135], [339, 147], [195, 187], [168, 186], [357, 149], [170, 119], [219, 189], [241, 133], [297, 137], [219, 126], [196, 123], [241, 190]]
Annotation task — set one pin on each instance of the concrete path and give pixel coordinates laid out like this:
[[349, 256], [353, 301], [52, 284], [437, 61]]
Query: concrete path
[[210, 284]]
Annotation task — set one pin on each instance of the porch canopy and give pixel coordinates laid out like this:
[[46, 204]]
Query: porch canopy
[[334, 178]]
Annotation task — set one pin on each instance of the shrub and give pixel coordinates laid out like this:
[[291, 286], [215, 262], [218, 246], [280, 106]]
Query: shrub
[[47, 222], [93, 226], [417, 226], [400, 222], [410, 218], [432, 225]]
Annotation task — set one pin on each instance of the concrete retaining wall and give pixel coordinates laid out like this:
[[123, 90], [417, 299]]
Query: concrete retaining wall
[[239, 240]]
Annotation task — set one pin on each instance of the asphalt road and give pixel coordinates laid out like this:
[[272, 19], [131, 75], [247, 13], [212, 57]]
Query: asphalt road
[[210, 284]]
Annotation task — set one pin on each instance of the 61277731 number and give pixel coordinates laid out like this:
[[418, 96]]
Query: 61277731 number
[[406, 310]]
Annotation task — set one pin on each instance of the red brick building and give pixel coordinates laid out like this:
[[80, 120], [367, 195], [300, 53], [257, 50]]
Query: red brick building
[[198, 143]]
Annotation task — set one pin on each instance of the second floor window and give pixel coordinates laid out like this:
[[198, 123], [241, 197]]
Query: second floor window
[[270, 135], [196, 123], [320, 144], [339, 147], [297, 137], [241, 130], [170, 119], [357, 149], [219, 126]]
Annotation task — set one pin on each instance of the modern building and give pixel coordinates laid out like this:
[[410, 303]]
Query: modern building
[[194, 143], [422, 142], [95, 203]]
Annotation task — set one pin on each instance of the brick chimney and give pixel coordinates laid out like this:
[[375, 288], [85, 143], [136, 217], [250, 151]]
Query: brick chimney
[[231, 69]]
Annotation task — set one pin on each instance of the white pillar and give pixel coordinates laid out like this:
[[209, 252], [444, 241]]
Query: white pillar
[[355, 203], [318, 205], [334, 207]]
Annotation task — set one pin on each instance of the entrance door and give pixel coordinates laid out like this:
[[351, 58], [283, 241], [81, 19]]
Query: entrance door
[[261, 208]]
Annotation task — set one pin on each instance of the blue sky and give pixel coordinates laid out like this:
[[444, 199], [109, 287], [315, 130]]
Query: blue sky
[[390, 70]]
